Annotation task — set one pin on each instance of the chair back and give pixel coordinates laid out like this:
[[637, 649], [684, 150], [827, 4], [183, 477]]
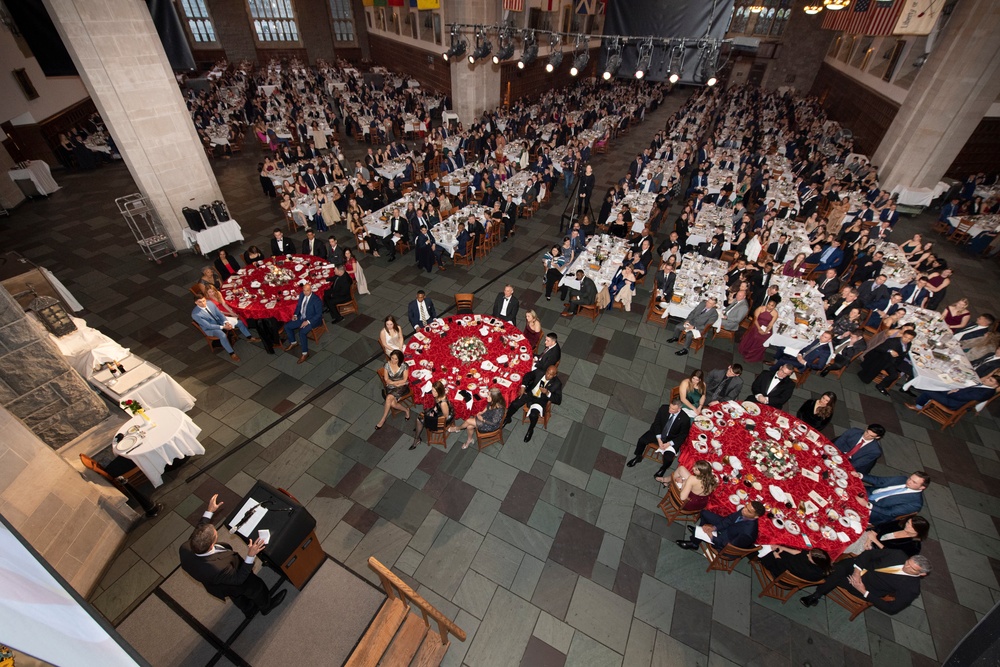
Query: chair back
[[654, 314], [439, 436], [464, 302], [783, 587], [96, 467], [484, 440], [673, 508], [854, 605], [382, 376], [726, 559]]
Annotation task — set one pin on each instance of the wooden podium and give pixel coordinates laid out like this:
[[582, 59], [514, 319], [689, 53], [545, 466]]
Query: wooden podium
[[293, 549]]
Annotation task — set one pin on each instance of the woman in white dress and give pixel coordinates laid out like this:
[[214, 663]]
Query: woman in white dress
[[753, 248], [390, 337], [318, 137]]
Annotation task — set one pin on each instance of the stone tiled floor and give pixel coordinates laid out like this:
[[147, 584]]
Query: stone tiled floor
[[546, 553]]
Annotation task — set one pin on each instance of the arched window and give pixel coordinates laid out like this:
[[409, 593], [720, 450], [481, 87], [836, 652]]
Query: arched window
[[343, 20], [280, 24], [199, 22], [741, 16]]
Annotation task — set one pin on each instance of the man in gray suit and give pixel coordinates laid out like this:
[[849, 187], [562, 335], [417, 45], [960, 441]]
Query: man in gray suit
[[701, 316], [735, 312], [724, 385], [584, 296]]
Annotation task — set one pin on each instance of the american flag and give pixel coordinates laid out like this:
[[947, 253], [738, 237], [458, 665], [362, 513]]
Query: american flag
[[867, 18], [550, 5], [513, 5], [591, 6]]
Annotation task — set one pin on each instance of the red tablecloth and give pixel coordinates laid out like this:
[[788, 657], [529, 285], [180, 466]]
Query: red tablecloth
[[256, 292], [757, 452], [502, 360]]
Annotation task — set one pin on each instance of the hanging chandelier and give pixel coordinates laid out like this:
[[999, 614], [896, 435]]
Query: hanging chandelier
[[756, 9], [836, 5], [812, 9]]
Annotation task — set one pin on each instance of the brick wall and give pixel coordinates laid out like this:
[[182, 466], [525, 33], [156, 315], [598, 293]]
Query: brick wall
[[857, 107], [233, 29], [435, 74], [314, 28], [533, 80]]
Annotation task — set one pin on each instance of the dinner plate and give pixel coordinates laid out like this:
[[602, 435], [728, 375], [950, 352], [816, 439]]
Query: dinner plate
[[716, 466], [792, 527], [751, 408], [840, 492], [828, 533], [845, 522], [704, 424], [700, 447], [735, 462], [735, 500], [525, 356], [778, 523], [842, 483], [515, 377], [777, 493], [852, 515], [774, 433], [830, 449], [127, 444], [837, 458], [812, 524]]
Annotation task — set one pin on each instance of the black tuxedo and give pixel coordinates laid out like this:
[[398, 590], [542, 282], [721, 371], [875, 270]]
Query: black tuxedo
[[226, 574], [675, 431], [288, 247], [778, 251], [881, 359], [903, 588], [319, 248], [778, 396], [511, 308], [549, 357], [665, 283], [530, 382]]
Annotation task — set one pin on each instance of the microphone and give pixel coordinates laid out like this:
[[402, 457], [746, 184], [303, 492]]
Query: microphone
[[277, 509], [246, 517]]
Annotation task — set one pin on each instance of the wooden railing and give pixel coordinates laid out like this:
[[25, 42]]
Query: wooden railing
[[395, 587]]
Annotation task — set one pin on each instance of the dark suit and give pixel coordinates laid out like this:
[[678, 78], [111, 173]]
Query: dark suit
[[665, 283], [316, 248], [512, 307], [882, 359], [778, 251], [865, 458], [777, 397], [720, 387], [816, 354], [889, 507], [828, 287], [914, 295], [339, 292], [956, 398], [669, 431], [902, 588], [413, 312], [733, 529], [530, 382], [549, 357], [986, 365], [226, 574], [287, 247], [844, 357], [305, 320]]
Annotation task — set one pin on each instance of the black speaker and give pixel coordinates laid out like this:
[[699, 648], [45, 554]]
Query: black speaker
[[207, 215], [193, 219], [221, 213]]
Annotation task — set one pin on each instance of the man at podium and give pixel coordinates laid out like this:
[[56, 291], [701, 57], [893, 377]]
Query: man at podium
[[221, 570]]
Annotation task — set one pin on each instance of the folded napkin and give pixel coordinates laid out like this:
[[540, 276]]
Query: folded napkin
[[427, 387], [502, 359]]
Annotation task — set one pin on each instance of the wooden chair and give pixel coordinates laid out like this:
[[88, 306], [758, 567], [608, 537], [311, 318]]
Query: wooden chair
[[655, 314], [854, 605], [462, 260], [783, 587], [464, 303], [197, 289], [484, 440], [699, 342], [946, 416], [406, 398], [213, 341], [942, 227], [840, 371], [673, 508], [440, 436], [808, 270], [961, 233], [119, 472], [348, 307], [590, 310], [729, 256], [726, 559], [802, 376], [482, 249], [543, 419], [317, 332], [723, 334]]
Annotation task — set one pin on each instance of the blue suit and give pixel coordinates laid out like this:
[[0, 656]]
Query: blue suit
[[211, 323], [864, 460], [832, 261], [413, 312], [908, 290], [956, 398], [306, 319], [733, 529], [815, 353], [888, 508]]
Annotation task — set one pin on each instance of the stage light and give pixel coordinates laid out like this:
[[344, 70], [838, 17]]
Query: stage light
[[457, 48], [645, 59], [614, 60], [674, 78], [529, 54], [579, 63], [555, 57], [711, 81], [505, 47], [483, 47]]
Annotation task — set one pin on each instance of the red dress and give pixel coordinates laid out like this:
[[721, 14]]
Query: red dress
[[954, 322], [695, 502], [533, 337], [753, 342]]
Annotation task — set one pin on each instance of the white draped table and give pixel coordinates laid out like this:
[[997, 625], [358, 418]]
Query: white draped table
[[213, 238], [153, 448], [38, 173]]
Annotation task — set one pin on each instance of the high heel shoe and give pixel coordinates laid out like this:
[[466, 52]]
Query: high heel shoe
[[377, 427], [407, 415]]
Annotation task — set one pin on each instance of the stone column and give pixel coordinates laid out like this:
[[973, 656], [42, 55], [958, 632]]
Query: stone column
[[947, 100], [118, 54], [38, 386], [474, 88]]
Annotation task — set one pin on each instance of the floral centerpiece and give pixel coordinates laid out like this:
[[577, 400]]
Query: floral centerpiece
[[468, 349], [136, 409], [278, 275], [773, 459]]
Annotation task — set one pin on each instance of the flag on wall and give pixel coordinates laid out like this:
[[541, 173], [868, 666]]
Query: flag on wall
[[513, 5], [918, 17], [428, 4], [368, 3], [866, 18], [550, 5], [380, 3], [395, 3], [591, 6], [413, 3]]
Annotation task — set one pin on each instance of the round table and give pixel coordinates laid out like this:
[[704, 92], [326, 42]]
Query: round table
[[269, 288], [761, 453], [153, 448], [496, 354]]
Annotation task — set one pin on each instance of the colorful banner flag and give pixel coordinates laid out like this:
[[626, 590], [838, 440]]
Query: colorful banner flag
[[917, 18], [413, 3], [428, 4], [368, 3], [867, 18], [396, 3], [381, 3], [513, 5], [550, 5]]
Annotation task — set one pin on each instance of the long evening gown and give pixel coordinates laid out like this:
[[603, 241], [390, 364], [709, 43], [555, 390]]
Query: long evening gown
[[754, 342]]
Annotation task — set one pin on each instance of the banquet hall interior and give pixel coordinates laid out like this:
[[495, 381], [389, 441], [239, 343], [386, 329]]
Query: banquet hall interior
[[820, 144]]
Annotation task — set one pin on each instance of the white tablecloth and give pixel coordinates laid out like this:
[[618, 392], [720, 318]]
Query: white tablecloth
[[449, 116], [142, 382], [174, 436], [919, 196], [214, 238], [87, 348], [38, 173]]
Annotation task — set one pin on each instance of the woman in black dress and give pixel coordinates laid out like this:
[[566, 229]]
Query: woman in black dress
[[817, 412], [441, 408], [811, 565]]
